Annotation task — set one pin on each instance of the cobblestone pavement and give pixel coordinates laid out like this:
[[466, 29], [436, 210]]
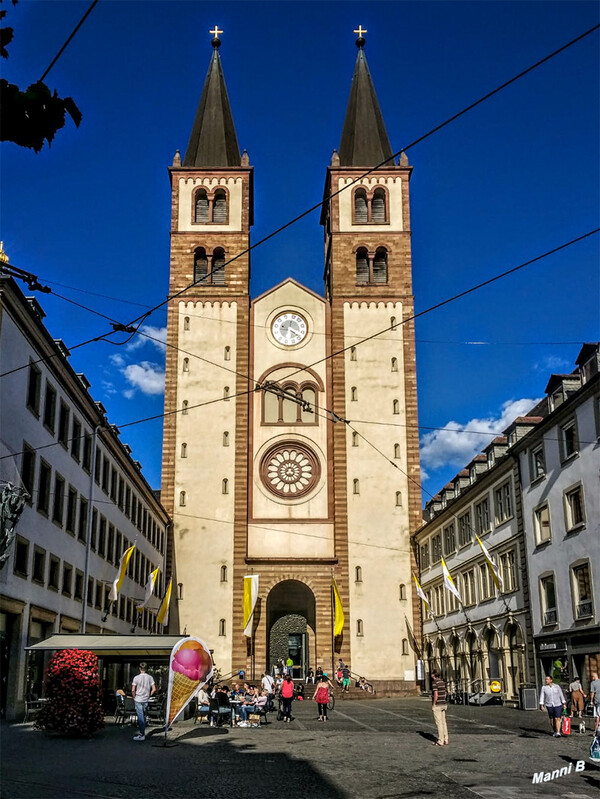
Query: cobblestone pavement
[[378, 749]]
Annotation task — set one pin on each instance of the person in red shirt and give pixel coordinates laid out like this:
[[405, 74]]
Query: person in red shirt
[[321, 697], [287, 695]]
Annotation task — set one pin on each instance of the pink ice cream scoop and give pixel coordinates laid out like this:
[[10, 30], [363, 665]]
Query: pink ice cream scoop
[[189, 663]]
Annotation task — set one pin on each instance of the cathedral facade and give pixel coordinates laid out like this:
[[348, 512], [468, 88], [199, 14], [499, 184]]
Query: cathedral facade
[[290, 439]]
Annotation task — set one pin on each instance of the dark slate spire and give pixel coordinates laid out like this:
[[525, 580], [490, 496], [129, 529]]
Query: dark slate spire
[[213, 141], [364, 139]]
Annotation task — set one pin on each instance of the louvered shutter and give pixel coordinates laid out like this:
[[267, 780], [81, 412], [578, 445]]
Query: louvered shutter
[[360, 208], [378, 206], [218, 277], [220, 208], [380, 267], [201, 207], [362, 267], [200, 266]]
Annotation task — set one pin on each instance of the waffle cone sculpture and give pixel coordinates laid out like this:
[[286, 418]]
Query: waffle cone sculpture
[[191, 666]]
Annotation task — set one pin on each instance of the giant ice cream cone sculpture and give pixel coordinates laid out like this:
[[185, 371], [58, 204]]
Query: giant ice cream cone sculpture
[[190, 668]]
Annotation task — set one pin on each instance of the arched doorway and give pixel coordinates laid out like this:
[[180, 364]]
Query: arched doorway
[[443, 659], [456, 663], [471, 659], [492, 654], [291, 626]]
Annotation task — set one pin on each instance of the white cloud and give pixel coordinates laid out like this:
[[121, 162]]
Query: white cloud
[[554, 364], [117, 360], [158, 334], [148, 377], [108, 387], [453, 447]]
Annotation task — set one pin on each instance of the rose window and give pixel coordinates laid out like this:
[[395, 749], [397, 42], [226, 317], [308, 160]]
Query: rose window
[[290, 470]]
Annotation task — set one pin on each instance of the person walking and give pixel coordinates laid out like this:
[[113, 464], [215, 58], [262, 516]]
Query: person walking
[[287, 695], [577, 697], [321, 697], [345, 678], [142, 688], [595, 698], [267, 683], [439, 705], [553, 700]]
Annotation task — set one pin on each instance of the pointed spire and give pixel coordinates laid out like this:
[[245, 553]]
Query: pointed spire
[[213, 141], [364, 139]]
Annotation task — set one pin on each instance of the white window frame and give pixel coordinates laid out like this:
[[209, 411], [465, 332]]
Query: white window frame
[[509, 573], [562, 438], [537, 472], [503, 503], [537, 524], [570, 524], [582, 608], [486, 582], [465, 529]]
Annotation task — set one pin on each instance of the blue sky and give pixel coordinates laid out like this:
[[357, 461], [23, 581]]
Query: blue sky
[[511, 179]]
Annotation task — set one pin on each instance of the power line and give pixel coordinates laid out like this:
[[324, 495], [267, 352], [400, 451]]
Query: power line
[[451, 119], [75, 29], [449, 300]]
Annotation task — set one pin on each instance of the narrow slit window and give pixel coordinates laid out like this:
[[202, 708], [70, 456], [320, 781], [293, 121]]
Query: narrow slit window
[[355, 439], [226, 393], [360, 628], [182, 498], [398, 499], [405, 646], [222, 627], [396, 407], [396, 451], [227, 354], [402, 591], [352, 353], [223, 574], [358, 574], [184, 450], [186, 364], [394, 364], [184, 407], [186, 322], [355, 486], [225, 486], [353, 394], [226, 438]]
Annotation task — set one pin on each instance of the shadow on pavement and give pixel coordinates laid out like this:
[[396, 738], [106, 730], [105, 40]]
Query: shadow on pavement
[[429, 736]]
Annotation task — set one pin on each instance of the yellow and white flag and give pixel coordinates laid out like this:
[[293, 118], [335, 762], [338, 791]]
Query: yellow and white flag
[[449, 582], [421, 594], [250, 597], [338, 611], [152, 578], [162, 616], [496, 576], [116, 586]]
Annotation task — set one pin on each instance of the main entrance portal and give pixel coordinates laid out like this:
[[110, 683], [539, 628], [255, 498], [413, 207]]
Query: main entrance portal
[[291, 626]]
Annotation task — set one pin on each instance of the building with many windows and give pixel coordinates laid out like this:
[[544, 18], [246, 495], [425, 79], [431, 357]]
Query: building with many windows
[[532, 499], [87, 502], [559, 463]]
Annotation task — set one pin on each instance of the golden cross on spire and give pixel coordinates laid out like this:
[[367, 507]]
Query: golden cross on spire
[[361, 31], [216, 32]]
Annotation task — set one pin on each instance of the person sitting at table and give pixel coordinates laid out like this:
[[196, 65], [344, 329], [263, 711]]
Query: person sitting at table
[[225, 709], [237, 692], [259, 703], [203, 701]]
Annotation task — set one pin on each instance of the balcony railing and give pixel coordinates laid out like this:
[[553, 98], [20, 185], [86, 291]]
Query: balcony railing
[[585, 609], [550, 616]]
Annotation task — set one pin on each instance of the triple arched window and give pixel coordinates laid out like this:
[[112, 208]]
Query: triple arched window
[[370, 207], [209, 269], [210, 207], [298, 409], [371, 267]]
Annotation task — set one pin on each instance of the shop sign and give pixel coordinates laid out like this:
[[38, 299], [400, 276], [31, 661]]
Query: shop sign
[[552, 646]]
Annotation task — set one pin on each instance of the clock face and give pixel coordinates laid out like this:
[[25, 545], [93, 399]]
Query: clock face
[[289, 329]]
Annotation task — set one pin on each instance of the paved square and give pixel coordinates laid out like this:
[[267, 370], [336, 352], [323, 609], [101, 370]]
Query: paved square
[[371, 749]]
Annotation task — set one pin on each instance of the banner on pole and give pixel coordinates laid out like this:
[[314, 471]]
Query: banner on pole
[[250, 597], [162, 616], [124, 562], [190, 667], [338, 611], [449, 582], [496, 576], [152, 578]]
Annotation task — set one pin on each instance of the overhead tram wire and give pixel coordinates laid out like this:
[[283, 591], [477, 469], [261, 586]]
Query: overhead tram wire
[[332, 355], [451, 119], [75, 29]]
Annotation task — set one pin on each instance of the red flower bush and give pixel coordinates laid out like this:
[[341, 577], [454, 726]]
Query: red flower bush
[[72, 686]]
